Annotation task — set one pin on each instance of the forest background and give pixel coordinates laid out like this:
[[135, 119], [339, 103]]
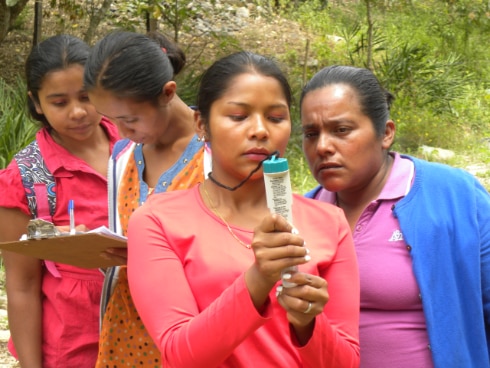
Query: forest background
[[433, 55]]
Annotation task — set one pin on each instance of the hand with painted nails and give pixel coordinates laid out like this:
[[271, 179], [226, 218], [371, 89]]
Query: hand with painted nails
[[275, 247], [304, 301]]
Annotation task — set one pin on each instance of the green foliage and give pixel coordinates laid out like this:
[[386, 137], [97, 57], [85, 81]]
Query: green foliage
[[9, 12], [128, 15], [188, 84], [432, 54], [473, 109], [68, 13], [173, 14], [411, 71], [179, 15], [424, 127], [301, 178], [73, 9], [16, 128], [19, 21], [304, 13]]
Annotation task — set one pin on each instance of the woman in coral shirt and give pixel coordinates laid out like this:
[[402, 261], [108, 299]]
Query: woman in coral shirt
[[204, 264]]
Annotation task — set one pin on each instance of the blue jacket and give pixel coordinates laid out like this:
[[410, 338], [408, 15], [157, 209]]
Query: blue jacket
[[445, 219]]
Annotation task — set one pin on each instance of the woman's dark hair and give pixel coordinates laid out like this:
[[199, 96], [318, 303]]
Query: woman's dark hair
[[174, 52], [217, 78], [374, 100], [53, 54], [129, 65]]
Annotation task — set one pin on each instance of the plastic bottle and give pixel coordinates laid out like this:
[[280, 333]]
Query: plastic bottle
[[279, 195]]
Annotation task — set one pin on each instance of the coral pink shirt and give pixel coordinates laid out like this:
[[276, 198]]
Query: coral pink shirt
[[186, 275]]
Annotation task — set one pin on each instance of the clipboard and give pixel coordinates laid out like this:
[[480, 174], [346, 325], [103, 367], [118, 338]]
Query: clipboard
[[81, 250]]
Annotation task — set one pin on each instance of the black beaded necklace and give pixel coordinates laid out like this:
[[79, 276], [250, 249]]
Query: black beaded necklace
[[232, 189]]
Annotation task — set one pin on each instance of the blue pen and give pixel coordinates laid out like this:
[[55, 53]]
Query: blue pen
[[71, 213]]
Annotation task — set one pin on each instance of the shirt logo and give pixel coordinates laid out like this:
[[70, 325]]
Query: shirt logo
[[396, 236]]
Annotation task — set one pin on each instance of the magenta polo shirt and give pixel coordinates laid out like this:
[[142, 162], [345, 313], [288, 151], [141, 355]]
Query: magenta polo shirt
[[392, 324]]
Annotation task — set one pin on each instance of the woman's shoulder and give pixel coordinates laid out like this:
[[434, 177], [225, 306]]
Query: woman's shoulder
[[173, 200], [323, 225], [443, 188], [122, 146], [10, 174], [313, 209], [441, 174], [111, 129], [175, 205], [313, 203], [11, 183]]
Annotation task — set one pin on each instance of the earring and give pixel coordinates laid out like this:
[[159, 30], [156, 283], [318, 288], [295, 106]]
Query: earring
[[200, 139]]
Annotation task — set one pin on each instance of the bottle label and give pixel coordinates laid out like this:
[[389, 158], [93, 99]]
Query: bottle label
[[280, 196]]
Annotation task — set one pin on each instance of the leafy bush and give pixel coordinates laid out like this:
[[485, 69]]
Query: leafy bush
[[301, 178], [16, 127], [432, 55], [473, 109], [410, 70]]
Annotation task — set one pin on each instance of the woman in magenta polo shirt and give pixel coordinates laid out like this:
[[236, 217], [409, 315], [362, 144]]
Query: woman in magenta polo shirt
[[421, 229]]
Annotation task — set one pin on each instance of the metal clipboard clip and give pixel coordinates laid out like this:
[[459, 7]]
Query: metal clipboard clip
[[40, 229]]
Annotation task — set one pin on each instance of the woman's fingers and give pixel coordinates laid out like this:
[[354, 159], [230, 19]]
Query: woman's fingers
[[277, 246], [66, 228], [119, 255], [304, 301], [274, 223], [277, 253], [276, 232]]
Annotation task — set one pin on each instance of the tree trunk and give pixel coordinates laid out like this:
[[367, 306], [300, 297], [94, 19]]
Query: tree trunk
[[8, 15], [96, 17], [305, 67], [369, 56], [176, 22], [151, 23], [38, 22]]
